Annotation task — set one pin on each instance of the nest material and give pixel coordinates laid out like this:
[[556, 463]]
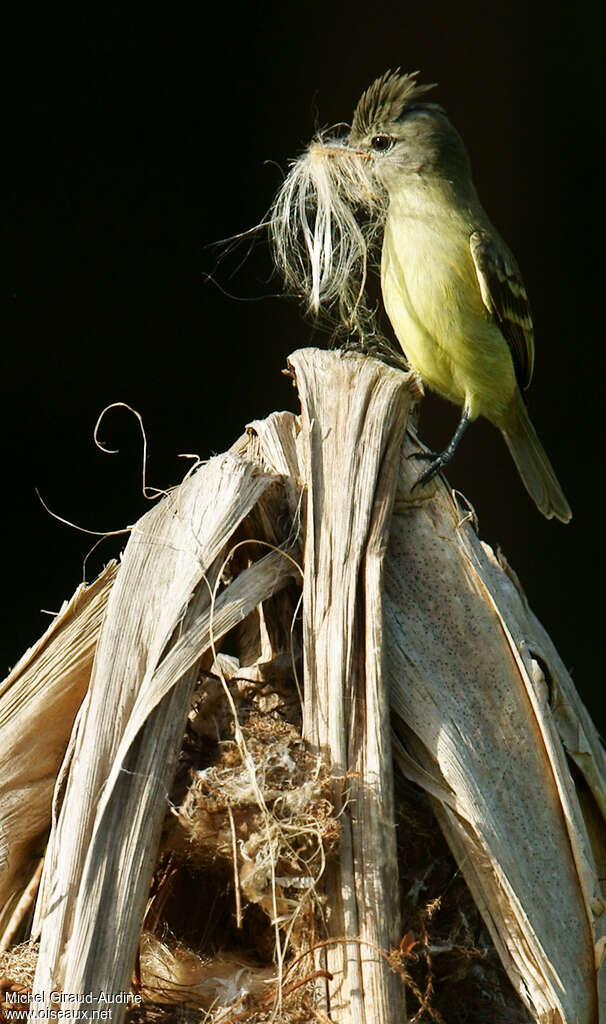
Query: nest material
[[281, 841], [17, 969], [246, 841], [204, 959]]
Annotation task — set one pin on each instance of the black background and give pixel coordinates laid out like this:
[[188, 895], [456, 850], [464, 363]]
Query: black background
[[134, 145]]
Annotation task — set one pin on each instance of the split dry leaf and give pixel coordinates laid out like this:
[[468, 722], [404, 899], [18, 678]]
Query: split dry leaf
[[39, 701], [476, 730], [354, 413], [159, 624]]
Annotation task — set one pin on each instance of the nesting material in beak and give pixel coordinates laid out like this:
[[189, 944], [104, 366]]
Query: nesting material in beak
[[325, 226]]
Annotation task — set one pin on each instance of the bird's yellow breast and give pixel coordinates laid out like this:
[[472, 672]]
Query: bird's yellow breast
[[433, 300]]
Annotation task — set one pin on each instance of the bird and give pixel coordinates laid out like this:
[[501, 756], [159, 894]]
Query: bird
[[451, 287]]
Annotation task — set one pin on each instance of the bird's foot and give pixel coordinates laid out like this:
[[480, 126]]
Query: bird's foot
[[436, 464]]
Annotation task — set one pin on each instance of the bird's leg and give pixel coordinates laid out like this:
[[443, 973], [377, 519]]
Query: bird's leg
[[437, 462]]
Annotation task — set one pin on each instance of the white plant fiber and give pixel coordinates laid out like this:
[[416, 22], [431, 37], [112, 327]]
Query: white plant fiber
[[326, 225]]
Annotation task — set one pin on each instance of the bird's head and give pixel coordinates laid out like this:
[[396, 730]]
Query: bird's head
[[403, 136]]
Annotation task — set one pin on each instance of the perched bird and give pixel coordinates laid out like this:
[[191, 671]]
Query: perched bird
[[451, 287]]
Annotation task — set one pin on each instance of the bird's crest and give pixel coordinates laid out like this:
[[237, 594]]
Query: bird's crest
[[385, 100]]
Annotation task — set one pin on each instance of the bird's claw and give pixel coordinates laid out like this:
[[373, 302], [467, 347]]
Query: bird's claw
[[436, 464]]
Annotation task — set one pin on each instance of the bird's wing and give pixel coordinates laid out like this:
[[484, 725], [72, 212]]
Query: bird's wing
[[505, 298]]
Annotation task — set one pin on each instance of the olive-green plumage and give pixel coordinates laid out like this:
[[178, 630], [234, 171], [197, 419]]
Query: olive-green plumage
[[450, 285]]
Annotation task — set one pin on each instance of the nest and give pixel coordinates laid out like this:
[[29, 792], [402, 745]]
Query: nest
[[237, 893], [235, 901], [208, 948]]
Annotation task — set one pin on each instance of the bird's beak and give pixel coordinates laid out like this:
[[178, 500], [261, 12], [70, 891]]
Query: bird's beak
[[319, 149]]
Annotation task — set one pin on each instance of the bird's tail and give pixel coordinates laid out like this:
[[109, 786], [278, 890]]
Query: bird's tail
[[533, 465]]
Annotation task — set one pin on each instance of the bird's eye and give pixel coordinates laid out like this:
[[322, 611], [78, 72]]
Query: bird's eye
[[381, 142]]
